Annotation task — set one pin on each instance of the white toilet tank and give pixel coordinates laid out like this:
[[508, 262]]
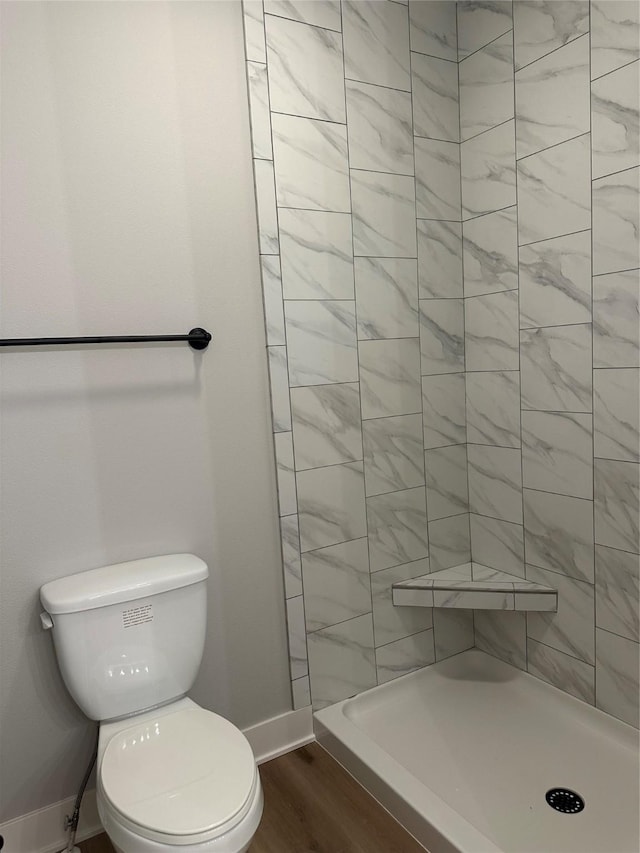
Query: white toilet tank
[[130, 636]]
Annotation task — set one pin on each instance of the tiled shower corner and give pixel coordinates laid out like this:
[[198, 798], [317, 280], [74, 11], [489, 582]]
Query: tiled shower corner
[[448, 216]]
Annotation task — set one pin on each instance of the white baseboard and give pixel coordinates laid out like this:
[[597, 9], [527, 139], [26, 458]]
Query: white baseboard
[[43, 831], [281, 734]]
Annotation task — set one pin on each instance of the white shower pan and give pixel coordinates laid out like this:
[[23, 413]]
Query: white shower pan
[[462, 753]]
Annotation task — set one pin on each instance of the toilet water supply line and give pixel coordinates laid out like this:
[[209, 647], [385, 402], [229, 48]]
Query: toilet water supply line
[[71, 821]]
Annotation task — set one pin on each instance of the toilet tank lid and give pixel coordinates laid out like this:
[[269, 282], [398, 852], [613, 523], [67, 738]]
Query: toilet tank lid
[[122, 582]]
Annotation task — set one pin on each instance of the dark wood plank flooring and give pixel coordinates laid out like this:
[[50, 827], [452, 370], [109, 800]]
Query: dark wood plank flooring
[[312, 805]]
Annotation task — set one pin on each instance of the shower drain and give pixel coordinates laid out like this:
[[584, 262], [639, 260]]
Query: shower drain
[[565, 801]]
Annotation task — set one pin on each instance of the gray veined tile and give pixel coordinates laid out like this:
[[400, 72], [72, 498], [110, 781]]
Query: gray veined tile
[[498, 544], [558, 534], [393, 454], [487, 576], [266, 205], [393, 623], [272, 298], [259, 108], [552, 98], [397, 524], [481, 21], [317, 254], [488, 166], [557, 453], [491, 331], [447, 487], [322, 342], [386, 298], [439, 259], [332, 507], [493, 408], [554, 191], [570, 630], [449, 542], [435, 97], [555, 281], [383, 215], [616, 222], [311, 163], [539, 601], [616, 320], [618, 592], [615, 34], [503, 635], [336, 583], [341, 661], [404, 656], [437, 179], [443, 407], [287, 501], [390, 377], [326, 425], [452, 632], [379, 128], [433, 28], [541, 27], [561, 670], [616, 413], [490, 247], [297, 640], [441, 336], [301, 693], [486, 87], [306, 75], [376, 43], [555, 366], [253, 14], [617, 681], [292, 570], [279, 381], [617, 504], [615, 137], [319, 13], [495, 482]]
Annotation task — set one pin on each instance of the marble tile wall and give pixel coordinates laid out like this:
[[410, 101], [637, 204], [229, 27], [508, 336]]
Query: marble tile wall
[[549, 162], [447, 198], [355, 133]]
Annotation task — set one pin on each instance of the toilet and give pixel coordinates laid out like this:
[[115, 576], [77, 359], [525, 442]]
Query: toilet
[[171, 776]]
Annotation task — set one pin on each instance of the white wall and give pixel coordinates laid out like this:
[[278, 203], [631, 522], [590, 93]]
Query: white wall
[[128, 208]]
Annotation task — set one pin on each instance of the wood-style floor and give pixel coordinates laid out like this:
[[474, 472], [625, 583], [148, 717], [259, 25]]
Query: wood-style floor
[[312, 805]]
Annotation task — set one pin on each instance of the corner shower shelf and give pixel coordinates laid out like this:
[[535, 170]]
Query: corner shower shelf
[[472, 586]]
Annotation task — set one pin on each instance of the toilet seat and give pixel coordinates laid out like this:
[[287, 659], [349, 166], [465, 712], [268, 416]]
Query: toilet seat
[[180, 778]]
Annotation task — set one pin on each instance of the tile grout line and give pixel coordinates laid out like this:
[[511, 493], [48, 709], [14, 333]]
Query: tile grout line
[[593, 430], [550, 53], [360, 384], [273, 433], [420, 330], [519, 314], [555, 145], [478, 49], [613, 70], [464, 318], [286, 344], [464, 332]]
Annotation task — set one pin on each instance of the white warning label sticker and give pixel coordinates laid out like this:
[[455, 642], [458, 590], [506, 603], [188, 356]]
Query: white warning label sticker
[[137, 615]]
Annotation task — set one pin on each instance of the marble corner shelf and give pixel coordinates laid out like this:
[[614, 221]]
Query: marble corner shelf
[[474, 587]]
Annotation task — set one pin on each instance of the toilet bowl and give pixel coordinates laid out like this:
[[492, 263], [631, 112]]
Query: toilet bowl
[[172, 777], [178, 778]]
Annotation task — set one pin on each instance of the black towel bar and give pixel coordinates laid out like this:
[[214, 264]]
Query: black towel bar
[[197, 339]]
